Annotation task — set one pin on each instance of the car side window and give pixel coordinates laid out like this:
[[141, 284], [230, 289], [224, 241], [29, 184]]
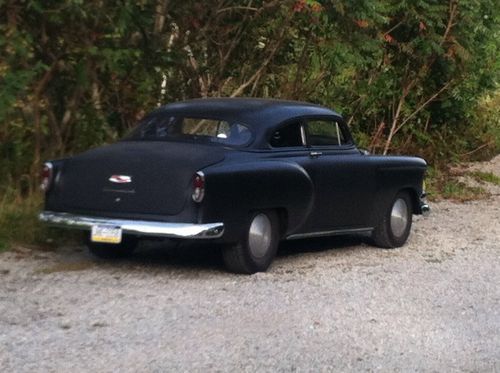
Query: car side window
[[289, 135], [322, 132]]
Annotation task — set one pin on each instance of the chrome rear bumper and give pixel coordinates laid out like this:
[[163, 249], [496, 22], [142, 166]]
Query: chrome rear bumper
[[137, 227]]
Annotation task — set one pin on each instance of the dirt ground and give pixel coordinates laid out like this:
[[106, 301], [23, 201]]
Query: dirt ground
[[325, 305]]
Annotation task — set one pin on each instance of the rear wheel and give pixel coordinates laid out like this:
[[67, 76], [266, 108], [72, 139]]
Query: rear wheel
[[112, 251], [395, 223], [257, 249]]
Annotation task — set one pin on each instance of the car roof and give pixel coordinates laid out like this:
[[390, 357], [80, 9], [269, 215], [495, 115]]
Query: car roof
[[262, 114], [251, 111]]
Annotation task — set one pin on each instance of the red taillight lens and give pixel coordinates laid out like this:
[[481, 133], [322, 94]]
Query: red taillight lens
[[198, 186], [46, 176]]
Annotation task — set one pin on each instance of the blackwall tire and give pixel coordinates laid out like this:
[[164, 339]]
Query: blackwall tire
[[395, 223], [257, 248]]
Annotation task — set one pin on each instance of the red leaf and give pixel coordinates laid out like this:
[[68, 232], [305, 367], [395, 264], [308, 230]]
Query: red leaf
[[299, 6], [362, 23]]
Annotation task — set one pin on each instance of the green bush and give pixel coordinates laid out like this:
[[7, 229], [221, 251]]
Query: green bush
[[418, 77]]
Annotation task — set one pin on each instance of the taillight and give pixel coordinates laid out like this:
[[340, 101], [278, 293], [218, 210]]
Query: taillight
[[198, 186], [46, 176]]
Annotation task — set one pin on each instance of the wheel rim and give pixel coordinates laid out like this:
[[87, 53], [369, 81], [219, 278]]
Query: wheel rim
[[259, 235], [399, 217]]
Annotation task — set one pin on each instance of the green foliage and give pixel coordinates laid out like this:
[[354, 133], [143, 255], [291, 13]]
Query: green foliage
[[419, 77]]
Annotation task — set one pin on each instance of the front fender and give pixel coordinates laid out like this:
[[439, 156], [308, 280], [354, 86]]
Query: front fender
[[233, 190], [395, 174]]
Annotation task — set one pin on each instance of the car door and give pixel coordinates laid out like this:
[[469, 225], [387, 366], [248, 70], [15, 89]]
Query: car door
[[343, 177]]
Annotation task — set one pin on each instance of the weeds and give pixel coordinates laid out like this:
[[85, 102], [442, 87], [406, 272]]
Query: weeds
[[459, 191], [443, 184], [18, 218], [3, 245], [488, 177], [19, 221]]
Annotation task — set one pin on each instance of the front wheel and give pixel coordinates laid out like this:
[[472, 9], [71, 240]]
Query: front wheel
[[395, 223], [257, 248], [112, 251]]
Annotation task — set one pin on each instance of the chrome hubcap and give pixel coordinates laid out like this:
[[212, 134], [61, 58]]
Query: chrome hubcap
[[259, 236], [399, 217]]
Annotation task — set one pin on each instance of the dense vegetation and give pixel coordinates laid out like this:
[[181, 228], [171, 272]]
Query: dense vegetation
[[414, 76]]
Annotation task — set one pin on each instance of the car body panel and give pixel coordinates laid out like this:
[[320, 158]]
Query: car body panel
[[236, 189], [85, 179], [314, 189]]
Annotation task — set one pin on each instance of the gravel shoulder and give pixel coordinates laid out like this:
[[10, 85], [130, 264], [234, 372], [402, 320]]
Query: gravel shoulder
[[326, 304]]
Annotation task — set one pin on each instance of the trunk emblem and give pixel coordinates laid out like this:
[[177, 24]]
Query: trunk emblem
[[120, 179]]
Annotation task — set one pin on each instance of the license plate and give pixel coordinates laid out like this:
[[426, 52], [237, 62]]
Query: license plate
[[106, 234]]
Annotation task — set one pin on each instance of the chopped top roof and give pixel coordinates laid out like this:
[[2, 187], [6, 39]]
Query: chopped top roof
[[251, 111], [263, 115]]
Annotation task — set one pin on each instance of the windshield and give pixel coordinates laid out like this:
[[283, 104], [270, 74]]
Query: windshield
[[203, 130]]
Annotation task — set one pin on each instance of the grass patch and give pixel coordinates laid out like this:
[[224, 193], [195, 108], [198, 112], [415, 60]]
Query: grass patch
[[19, 222], [442, 184], [459, 191], [18, 219], [3, 246], [488, 177]]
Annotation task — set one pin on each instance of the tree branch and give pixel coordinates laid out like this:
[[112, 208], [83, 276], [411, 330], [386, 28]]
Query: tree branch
[[432, 98], [453, 10], [229, 9], [266, 62]]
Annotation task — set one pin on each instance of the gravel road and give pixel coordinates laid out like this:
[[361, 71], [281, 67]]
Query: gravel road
[[325, 305]]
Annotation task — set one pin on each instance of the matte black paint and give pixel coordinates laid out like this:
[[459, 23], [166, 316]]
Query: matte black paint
[[339, 189], [161, 177]]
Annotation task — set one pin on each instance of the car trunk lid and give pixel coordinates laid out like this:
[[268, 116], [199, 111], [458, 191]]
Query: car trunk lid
[[144, 177]]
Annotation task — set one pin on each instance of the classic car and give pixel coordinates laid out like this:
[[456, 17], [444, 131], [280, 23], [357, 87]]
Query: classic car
[[244, 173]]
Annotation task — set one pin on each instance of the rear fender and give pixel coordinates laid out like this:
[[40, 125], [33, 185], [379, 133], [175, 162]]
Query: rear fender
[[233, 190]]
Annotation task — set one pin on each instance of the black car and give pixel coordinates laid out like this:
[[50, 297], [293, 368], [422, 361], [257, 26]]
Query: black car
[[245, 173]]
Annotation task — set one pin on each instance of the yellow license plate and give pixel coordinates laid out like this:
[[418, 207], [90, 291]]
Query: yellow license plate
[[106, 234]]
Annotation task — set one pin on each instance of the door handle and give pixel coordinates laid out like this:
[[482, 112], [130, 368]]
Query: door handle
[[314, 154]]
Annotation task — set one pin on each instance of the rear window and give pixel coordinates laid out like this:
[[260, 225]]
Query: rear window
[[203, 130]]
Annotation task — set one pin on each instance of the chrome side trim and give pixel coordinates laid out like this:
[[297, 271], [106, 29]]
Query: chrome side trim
[[329, 233], [138, 227], [303, 136], [315, 154]]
